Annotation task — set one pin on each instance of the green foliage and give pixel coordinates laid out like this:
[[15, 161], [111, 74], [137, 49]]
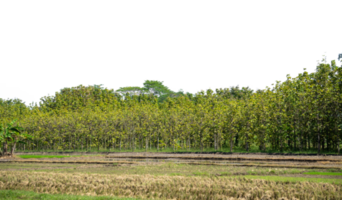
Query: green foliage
[[324, 173], [300, 114], [41, 156], [10, 134]]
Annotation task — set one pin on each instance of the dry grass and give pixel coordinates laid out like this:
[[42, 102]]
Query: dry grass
[[163, 180], [165, 187]]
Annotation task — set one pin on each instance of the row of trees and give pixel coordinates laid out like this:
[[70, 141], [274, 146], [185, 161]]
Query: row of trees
[[300, 113]]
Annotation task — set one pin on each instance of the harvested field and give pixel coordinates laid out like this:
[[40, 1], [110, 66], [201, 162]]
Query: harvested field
[[173, 178], [165, 187]]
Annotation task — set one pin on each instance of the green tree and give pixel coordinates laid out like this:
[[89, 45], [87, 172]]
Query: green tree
[[10, 134]]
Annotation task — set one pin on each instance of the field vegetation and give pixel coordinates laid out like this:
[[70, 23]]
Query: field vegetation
[[31, 156], [325, 173], [28, 195], [165, 168], [299, 115], [168, 181]]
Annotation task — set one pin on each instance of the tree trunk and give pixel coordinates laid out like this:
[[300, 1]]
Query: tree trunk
[[305, 141], [149, 139], [326, 146], [221, 143], [54, 146], [201, 146], [134, 143], [13, 149], [333, 145], [86, 144], [90, 143], [318, 143], [231, 145], [300, 143], [5, 148], [189, 144], [247, 142], [158, 143], [237, 139], [172, 142], [294, 141], [113, 145], [276, 143], [75, 144], [281, 144]]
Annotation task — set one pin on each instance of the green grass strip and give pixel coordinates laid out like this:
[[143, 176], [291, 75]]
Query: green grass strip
[[26, 195], [41, 156], [253, 149], [324, 173], [294, 179]]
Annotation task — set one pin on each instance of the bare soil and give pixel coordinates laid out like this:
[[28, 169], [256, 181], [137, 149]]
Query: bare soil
[[204, 155], [294, 161], [327, 161], [236, 157]]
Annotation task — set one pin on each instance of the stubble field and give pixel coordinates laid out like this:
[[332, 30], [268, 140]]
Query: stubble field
[[167, 179]]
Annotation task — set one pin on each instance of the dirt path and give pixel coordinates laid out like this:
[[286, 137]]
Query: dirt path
[[234, 155], [289, 161]]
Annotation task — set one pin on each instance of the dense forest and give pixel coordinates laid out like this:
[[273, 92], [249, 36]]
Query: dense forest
[[299, 114]]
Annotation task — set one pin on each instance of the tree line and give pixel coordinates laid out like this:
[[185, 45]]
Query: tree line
[[299, 114]]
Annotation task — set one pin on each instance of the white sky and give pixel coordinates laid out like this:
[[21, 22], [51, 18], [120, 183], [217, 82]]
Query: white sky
[[15, 91]]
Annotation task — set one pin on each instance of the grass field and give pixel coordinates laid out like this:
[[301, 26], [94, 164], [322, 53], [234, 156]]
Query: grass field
[[164, 180], [28, 195], [166, 187], [324, 173], [41, 156], [54, 156]]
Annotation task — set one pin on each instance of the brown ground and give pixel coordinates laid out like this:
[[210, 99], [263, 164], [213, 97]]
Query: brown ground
[[130, 165], [289, 161], [230, 156], [5, 157], [325, 161], [199, 156]]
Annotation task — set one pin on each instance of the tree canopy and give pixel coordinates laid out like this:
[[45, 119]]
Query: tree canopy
[[300, 113]]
